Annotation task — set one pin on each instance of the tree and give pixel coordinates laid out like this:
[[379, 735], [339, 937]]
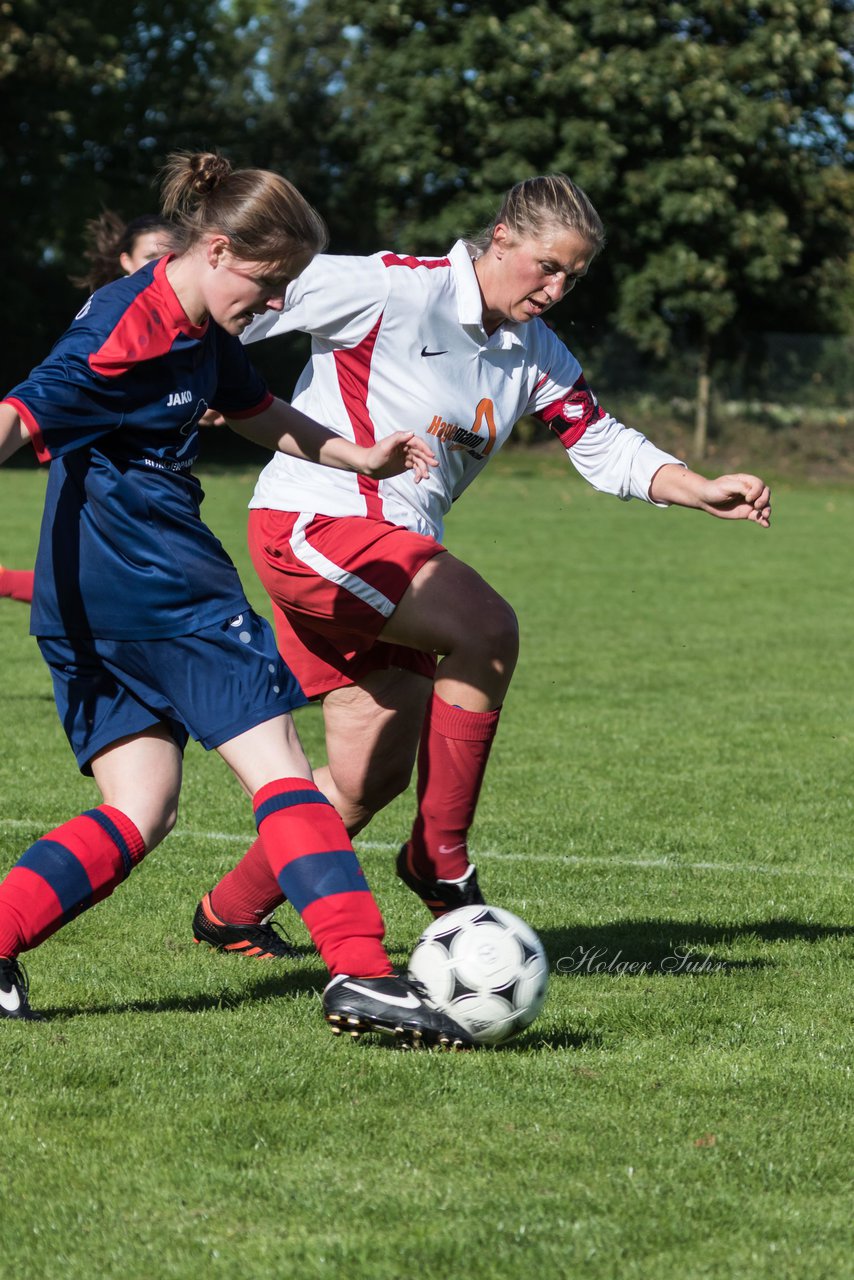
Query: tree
[[735, 185], [713, 136], [292, 57], [91, 100]]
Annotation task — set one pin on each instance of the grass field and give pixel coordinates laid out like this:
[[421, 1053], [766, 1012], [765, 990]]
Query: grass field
[[669, 803]]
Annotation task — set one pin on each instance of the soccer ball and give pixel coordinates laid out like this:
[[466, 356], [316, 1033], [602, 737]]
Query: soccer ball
[[485, 968]]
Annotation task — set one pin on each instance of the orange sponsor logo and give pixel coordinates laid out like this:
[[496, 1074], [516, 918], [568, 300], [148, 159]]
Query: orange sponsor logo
[[457, 437]]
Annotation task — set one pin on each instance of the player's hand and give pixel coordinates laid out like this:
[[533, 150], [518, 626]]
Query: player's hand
[[403, 451], [737, 497], [212, 418]]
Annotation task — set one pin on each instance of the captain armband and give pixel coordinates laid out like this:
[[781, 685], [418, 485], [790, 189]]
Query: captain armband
[[571, 415]]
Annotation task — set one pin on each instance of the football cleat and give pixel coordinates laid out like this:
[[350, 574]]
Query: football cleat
[[14, 989], [440, 896], [264, 941], [395, 1006]]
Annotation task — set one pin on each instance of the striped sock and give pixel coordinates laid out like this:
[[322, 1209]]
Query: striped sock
[[312, 859], [64, 873]]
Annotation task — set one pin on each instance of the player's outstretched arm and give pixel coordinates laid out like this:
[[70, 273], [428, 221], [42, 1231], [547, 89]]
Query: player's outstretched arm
[[283, 428], [731, 497], [13, 433]]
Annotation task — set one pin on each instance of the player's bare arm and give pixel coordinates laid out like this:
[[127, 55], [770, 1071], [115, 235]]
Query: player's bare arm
[[284, 429], [731, 497], [13, 433]]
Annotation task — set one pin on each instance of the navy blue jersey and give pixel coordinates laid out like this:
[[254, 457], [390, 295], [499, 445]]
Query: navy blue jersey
[[115, 408]]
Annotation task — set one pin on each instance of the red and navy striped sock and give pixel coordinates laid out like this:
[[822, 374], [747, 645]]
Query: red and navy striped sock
[[311, 857], [64, 873], [452, 756], [248, 892]]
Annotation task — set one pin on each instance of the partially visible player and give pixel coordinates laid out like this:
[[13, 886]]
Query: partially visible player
[[140, 614], [114, 248], [365, 595]]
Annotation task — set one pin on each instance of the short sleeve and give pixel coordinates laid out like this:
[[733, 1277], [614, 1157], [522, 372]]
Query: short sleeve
[[336, 298], [63, 415], [241, 392]]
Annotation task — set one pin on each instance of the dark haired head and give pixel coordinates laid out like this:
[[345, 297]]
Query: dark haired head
[[109, 239]]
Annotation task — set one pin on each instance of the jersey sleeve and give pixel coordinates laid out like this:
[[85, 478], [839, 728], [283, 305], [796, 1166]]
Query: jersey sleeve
[[612, 457], [241, 392], [337, 299], [618, 460], [63, 415], [561, 397]]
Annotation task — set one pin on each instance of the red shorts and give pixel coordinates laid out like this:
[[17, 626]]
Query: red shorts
[[334, 582]]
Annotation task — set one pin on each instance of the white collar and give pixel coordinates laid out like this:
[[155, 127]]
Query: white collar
[[470, 300]]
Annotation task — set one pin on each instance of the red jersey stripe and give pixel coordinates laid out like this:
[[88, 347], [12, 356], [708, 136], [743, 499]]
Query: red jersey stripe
[[394, 260], [237, 415], [353, 368], [42, 452]]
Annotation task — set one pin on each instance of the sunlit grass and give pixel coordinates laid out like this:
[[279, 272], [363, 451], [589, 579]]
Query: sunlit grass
[[669, 804]]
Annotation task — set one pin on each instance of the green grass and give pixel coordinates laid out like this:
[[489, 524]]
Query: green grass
[[672, 777]]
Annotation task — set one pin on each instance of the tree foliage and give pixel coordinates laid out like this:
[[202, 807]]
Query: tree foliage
[[715, 136], [293, 59], [92, 97]]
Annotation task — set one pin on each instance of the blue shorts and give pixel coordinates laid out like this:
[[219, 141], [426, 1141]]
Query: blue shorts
[[211, 685]]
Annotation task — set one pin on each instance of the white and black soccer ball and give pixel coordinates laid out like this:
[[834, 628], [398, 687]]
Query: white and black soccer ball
[[485, 968]]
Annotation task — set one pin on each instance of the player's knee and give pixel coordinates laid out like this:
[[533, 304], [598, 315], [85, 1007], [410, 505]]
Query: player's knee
[[379, 785], [388, 784], [169, 818], [156, 821], [497, 633]]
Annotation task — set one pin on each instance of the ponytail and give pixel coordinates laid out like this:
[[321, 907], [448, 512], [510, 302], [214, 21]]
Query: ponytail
[[263, 215]]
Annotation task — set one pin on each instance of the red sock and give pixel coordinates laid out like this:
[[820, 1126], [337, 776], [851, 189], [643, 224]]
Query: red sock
[[17, 583], [64, 873], [250, 891], [452, 756], [311, 857]]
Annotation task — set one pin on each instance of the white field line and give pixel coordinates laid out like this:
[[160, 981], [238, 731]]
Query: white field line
[[557, 859]]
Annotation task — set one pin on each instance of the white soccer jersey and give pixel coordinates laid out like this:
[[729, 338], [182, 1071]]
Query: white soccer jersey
[[398, 343]]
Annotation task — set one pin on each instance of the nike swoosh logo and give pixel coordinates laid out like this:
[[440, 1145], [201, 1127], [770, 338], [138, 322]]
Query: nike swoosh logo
[[451, 848], [425, 352], [411, 1001], [10, 1000]]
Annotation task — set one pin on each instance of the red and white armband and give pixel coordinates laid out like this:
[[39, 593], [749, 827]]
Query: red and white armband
[[571, 415]]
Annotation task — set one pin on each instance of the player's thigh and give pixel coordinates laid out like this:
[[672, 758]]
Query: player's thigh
[[372, 731], [449, 606], [141, 776], [266, 753]]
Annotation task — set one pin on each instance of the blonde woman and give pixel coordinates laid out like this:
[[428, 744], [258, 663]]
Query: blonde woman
[[365, 595]]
